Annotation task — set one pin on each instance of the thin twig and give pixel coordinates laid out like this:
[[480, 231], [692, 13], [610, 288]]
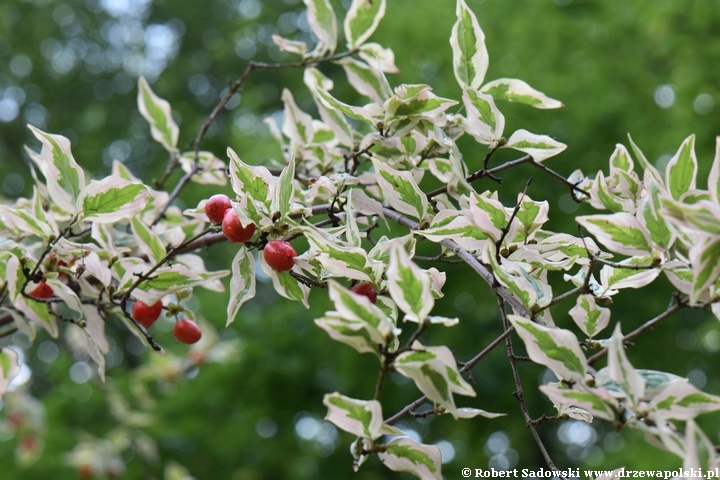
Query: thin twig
[[465, 368], [519, 390], [466, 257], [232, 90], [675, 305], [506, 229]]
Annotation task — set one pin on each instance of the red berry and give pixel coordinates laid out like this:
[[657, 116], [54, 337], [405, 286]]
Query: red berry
[[42, 291], [15, 419], [187, 331], [279, 254], [366, 289], [86, 472], [234, 230], [29, 442], [146, 315], [216, 206]]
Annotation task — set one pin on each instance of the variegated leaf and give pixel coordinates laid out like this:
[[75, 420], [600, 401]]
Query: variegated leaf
[[621, 371], [147, 240], [64, 177], [682, 401], [616, 278], [242, 282], [714, 178], [620, 232], [470, 56], [400, 190], [681, 171], [291, 46], [366, 79], [362, 418], [323, 22], [408, 285], [597, 401], [704, 257], [514, 90], [284, 191], [286, 285], [405, 455], [483, 121], [361, 21], [540, 147], [246, 179], [588, 316], [111, 199], [9, 368], [556, 348], [434, 370], [159, 115]]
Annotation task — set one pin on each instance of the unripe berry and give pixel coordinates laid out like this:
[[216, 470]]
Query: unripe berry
[[42, 291], [234, 230], [187, 331], [216, 207], [279, 255], [146, 315], [366, 289]]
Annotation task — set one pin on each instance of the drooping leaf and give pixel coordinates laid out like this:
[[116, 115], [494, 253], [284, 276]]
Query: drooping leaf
[[284, 190], [482, 120], [159, 115], [9, 368], [588, 316], [286, 285], [366, 79], [704, 257], [597, 401], [242, 282], [408, 285], [359, 417], [323, 22], [621, 371], [714, 177], [405, 455], [332, 118], [147, 240]]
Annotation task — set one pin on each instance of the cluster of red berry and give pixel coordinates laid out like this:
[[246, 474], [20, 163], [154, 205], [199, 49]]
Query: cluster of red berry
[[279, 254]]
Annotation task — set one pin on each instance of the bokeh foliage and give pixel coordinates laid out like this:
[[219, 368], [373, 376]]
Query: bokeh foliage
[[71, 67]]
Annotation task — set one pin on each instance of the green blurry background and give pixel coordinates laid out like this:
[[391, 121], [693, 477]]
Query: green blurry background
[[651, 68]]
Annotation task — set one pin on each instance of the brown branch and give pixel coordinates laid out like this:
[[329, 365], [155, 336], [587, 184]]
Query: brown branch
[[483, 173]]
